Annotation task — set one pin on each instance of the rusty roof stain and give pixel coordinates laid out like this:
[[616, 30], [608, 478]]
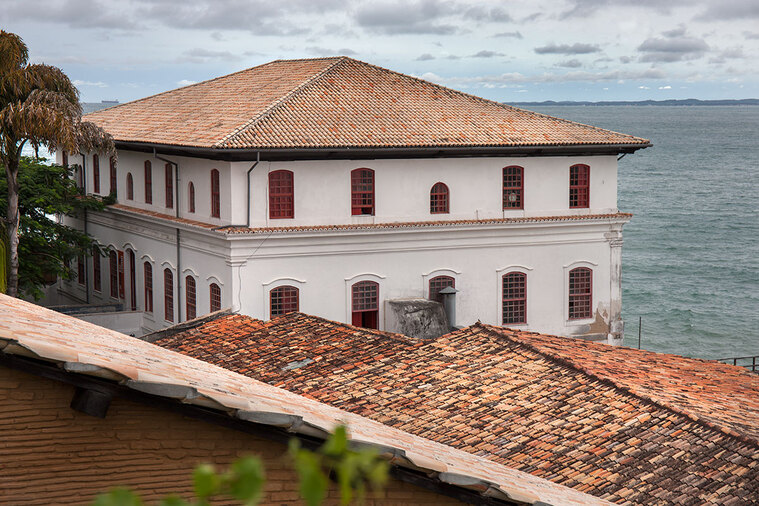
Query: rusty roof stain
[[629, 426], [28, 330], [336, 102]]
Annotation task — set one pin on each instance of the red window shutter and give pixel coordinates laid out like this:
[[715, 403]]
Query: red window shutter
[[190, 293], [130, 187], [169, 185], [513, 187], [514, 298], [148, 182], [362, 192], [132, 281], [114, 176], [580, 293], [121, 275], [113, 272], [168, 295], [439, 198], [215, 194], [579, 186], [148, 272], [191, 197], [96, 173], [283, 300], [281, 194], [97, 283], [365, 304]]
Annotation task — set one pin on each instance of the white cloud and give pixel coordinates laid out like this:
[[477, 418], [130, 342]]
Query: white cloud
[[97, 84], [185, 82], [665, 87]]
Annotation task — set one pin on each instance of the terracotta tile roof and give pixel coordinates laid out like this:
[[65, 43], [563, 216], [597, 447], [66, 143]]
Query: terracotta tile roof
[[336, 102], [27, 330], [369, 226], [629, 426]]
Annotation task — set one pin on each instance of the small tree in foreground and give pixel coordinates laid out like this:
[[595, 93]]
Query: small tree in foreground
[[39, 106], [244, 481]]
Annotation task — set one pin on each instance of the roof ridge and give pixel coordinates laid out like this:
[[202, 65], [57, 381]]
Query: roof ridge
[[486, 100], [281, 100], [570, 364], [180, 88], [186, 325], [377, 332]]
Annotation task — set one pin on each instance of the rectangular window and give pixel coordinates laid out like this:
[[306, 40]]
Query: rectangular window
[[114, 177], [122, 284], [514, 298], [168, 295], [579, 186], [362, 192], [169, 187], [215, 195], [283, 300], [190, 306], [580, 293], [148, 182], [281, 194], [365, 304], [215, 297], [114, 274], [80, 270], [513, 188], [148, 271]]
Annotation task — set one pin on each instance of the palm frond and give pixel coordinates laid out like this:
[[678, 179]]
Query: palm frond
[[13, 52]]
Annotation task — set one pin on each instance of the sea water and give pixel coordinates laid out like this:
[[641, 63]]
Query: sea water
[[691, 252]]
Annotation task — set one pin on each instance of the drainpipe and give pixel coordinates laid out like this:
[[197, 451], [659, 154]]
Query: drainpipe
[[86, 266], [449, 304], [179, 249], [247, 212]]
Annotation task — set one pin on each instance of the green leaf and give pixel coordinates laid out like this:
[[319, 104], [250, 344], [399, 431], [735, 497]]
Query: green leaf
[[118, 497], [247, 479], [337, 444], [205, 481], [173, 500], [313, 482]]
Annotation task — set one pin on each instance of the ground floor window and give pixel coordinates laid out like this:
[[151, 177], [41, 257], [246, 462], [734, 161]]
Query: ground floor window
[[215, 295], [365, 304], [189, 284], [580, 293], [514, 298], [438, 283], [283, 300]]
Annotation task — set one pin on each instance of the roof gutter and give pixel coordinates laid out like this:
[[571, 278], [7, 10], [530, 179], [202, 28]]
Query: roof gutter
[[348, 153]]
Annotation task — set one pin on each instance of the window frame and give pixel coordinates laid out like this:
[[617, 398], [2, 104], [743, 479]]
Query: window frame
[[147, 273], [281, 289], [191, 197], [113, 274], [130, 186], [97, 274], [132, 258], [573, 297], [435, 280], [148, 182], [518, 189], [580, 191], [113, 171], [95, 173], [215, 194], [374, 310], [80, 267], [441, 195], [213, 296], [190, 297], [169, 186], [522, 277], [281, 202], [168, 295], [358, 177]]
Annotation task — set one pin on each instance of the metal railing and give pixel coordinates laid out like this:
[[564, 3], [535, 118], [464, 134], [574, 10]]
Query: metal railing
[[750, 363]]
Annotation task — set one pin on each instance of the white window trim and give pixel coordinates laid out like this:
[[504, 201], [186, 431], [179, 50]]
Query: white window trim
[[499, 273], [267, 287], [367, 276], [592, 266]]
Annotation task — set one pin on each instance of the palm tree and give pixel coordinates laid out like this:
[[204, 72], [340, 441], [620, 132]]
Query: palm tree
[[39, 105]]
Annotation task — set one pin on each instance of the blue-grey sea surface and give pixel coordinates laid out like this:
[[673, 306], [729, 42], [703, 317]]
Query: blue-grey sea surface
[[691, 252]]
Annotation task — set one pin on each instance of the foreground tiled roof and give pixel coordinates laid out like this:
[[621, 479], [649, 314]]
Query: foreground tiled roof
[[336, 102], [629, 426], [238, 230], [28, 330]]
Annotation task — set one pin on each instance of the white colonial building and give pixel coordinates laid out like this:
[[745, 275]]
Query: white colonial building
[[331, 186]]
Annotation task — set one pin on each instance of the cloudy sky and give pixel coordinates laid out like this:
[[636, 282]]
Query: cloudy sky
[[510, 51]]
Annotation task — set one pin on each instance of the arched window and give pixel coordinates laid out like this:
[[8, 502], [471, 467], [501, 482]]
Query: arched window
[[132, 281], [169, 185], [96, 173], [114, 177], [130, 187], [513, 187], [439, 198], [168, 295], [191, 197], [365, 304], [190, 297], [96, 274], [579, 186], [215, 196], [148, 273], [580, 293], [148, 182], [362, 192], [514, 296], [215, 297], [114, 274], [281, 194], [438, 283], [283, 300]]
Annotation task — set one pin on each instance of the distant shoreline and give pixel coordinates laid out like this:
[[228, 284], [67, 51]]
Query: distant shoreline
[[687, 101]]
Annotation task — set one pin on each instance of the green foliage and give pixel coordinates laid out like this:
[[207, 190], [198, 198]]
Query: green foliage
[[46, 247], [245, 479]]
